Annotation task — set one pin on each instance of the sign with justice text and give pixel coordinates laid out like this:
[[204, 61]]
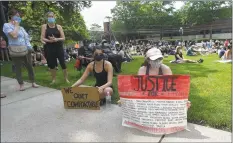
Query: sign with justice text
[[154, 104]]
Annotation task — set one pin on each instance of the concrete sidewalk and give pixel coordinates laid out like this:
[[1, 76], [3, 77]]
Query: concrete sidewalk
[[38, 115]]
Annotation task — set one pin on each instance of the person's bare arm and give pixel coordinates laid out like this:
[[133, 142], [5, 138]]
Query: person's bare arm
[[42, 57], [42, 36], [177, 55], [110, 75], [84, 76], [166, 70], [62, 38], [228, 55], [141, 71]]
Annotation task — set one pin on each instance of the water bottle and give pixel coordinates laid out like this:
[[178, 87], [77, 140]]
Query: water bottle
[[108, 99]]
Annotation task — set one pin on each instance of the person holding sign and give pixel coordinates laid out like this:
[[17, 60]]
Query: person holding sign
[[103, 73], [153, 64]]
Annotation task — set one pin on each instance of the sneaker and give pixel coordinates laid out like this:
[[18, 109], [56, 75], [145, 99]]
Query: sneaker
[[200, 61]]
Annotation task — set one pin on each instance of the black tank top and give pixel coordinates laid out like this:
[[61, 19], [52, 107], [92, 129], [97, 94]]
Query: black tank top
[[53, 32], [148, 70], [180, 54], [101, 77]]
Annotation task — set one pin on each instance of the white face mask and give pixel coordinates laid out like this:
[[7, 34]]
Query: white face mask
[[156, 63]]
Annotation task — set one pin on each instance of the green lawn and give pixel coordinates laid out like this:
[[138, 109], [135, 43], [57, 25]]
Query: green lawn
[[210, 91]]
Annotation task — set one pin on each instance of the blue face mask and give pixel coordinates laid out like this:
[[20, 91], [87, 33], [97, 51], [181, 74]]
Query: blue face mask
[[17, 18], [51, 20]]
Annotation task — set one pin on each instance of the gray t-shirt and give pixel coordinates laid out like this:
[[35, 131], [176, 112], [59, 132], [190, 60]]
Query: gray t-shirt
[[121, 53]]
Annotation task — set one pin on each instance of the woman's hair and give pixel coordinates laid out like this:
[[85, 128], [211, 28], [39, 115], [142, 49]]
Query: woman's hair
[[98, 47], [229, 47], [178, 48], [50, 12], [145, 63], [13, 12]]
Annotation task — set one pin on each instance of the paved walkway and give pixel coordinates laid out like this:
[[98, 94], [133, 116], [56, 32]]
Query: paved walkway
[[39, 115]]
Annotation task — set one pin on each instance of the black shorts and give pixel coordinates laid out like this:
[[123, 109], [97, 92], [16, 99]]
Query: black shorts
[[55, 53]]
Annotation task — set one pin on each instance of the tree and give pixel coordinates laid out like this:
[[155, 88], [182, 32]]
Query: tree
[[96, 32], [67, 14], [141, 16], [137, 19], [202, 12]]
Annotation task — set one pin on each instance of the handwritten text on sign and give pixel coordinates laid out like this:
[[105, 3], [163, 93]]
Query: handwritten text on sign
[[81, 97], [154, 104]]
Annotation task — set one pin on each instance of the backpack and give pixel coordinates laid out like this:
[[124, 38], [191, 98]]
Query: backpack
[[78, 65]]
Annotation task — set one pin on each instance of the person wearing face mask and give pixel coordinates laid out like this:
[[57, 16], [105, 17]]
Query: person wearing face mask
[[52, 34], [153, 64], [103, 73], [18, 37]]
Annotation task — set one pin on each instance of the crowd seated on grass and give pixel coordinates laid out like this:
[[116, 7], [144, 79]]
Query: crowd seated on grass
[[38, 58]]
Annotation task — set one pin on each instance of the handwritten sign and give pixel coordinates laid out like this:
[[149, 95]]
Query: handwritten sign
[[81, 98], [154, 104]]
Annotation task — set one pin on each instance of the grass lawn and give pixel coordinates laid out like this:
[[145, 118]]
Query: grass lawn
[[210, 91]]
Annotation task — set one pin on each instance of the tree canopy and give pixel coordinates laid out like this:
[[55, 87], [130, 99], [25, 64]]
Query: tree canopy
[[67, 14], [135, 18]]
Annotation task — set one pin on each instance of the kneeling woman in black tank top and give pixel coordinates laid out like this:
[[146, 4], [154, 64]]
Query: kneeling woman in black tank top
[[103, 73]]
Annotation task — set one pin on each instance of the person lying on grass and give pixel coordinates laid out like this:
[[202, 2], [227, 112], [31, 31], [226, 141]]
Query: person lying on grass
[[180, 59], [103, 72], [153, 65]]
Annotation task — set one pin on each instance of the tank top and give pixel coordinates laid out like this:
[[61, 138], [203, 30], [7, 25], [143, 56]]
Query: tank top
[[180, 54], [148, 70], [53, 32], [101, 77]]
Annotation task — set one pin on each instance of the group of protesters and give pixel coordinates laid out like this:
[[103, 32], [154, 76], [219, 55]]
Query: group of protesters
[[52, 36], [107, 58]]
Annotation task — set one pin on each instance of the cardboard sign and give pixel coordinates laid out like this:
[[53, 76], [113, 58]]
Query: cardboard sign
[[81, 98], [154, 104]]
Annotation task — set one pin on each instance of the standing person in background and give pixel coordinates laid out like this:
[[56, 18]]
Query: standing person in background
[[17, 36], [52, 34], [4, 49]]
